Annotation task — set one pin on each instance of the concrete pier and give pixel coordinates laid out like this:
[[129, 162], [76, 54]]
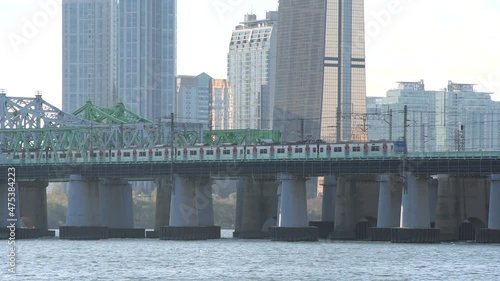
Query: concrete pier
[[327, 223], [83, 220], [256, 207], [415, 216], [389, 207], [450, 211], [204, 204], [184, 213], [33, 196], [182, 209], [356, 207], [292, 215], [462, 206], [162, 211], [432, 185], [117, 209], [492, 233], [13, 216]]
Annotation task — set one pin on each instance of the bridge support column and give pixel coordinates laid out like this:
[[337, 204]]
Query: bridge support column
[[327, 223], [389, 208], [415, 217], [83, 220], [163, 199], [256, 207], [449, 211], [356, 206], [11, 219], [33, 196], [184, 214], [433, 191], [117, 209], [492, 233], [292, 215], [204, 205]]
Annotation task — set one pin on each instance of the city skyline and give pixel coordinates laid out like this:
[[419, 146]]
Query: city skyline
[[446, 35]]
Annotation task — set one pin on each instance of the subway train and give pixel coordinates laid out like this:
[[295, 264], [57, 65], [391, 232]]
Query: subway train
[[376, 149]]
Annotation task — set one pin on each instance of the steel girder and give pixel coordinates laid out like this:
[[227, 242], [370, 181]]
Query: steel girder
[[118, 114], [32, 124]]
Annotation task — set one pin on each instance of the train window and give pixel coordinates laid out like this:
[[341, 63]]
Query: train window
[[126, 154], [241, 151], [337, 149], [375, 148], [226, 152], [43, 156], [263, 151], [321, 149], [32, 156], [16, 156], [298, 150], [193, 152], [62, 155], [210, 152], [94, 155], [142, 153], [112, 154], [248, 151], [106, 154], [314, 149], [158, 153], [356, 149], [49, 156], [280, 150], [178, 153], [78, 155]]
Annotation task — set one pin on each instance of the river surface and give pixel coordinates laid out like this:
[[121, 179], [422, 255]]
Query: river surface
[[233, 259]]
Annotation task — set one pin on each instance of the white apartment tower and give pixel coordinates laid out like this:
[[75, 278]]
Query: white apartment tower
[[251, 71]]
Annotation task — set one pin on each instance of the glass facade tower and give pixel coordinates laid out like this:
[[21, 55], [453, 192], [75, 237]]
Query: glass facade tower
[[320, 70], [147, 57], [89, 53]]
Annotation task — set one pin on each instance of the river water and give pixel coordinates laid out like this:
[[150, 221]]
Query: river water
[[233, 259]]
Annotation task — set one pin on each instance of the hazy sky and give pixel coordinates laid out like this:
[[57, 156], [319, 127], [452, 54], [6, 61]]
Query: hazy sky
[[434, 40]]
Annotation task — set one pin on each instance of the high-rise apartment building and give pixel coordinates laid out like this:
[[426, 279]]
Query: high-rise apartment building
[[89, 53], [147, 57], [221, 105], [455, 118], [320, 70], [251, 71], [120, 51], [193, 94]]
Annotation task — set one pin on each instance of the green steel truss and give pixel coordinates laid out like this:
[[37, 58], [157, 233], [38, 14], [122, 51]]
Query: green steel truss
[[32, 124], [118, 114]]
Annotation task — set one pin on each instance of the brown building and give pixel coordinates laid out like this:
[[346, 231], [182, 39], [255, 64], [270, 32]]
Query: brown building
[[320, 73]]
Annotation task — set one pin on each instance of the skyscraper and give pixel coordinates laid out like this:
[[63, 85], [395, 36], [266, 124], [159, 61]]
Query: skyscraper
[[147, 56], [89, 53], [251, 71], [320, 70]]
